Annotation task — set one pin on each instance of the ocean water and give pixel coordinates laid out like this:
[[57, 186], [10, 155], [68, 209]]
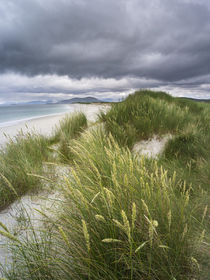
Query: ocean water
[[10, 115]]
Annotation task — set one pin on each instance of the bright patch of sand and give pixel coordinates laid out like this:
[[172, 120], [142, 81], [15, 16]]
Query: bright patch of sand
[[25, 214], [152, 147], [22, 215]]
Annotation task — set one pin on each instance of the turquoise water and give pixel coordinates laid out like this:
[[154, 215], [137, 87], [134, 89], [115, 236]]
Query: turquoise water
[[10, 115]]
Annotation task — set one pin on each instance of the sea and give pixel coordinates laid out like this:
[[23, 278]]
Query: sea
[[13, 114]]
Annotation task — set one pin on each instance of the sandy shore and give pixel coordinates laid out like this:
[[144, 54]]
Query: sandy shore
[[44, 202], [45, 125]]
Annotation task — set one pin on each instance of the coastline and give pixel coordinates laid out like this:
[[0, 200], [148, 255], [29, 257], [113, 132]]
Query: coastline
[[45, 124], [107, 169]]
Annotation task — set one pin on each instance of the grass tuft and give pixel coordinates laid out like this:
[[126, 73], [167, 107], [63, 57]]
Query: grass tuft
[[142, 115], [69, 128], [22, 155]]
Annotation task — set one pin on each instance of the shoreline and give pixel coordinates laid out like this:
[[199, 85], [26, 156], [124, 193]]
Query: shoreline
[[108, 170], [16, 122], [45, 124]]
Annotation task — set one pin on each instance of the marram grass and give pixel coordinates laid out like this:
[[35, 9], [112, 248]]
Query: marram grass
[[122, 218], [137, 203], [142, 115], [20, 157], [69, 128], [21, 160]]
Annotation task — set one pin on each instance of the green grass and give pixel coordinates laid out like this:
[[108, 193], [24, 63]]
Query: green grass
[[122, 216], [25, 154], [122, 219], [21, 156], [142, 115], [186, 146], [104, 193], [69, 128]]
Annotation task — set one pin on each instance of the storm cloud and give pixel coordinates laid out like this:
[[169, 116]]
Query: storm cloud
[[103, 47]]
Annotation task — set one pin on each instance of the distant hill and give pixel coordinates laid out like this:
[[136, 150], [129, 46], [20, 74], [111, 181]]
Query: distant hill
[[88, 99], [37, 102], [197, 100]]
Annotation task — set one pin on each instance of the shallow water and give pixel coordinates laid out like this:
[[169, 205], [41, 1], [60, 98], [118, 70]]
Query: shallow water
[[46, 124], [13, 114]]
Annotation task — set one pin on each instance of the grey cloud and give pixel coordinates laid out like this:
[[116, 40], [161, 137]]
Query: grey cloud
[[161, 40]]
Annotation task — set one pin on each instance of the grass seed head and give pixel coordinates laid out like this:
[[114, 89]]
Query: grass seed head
[[64, 236], [145, 206], [119, 225], [126, 225], [204, 213], [100, 218], [133, 214], [110, 197], [169, 218], [86, 234], [111, 240], [184, 231]]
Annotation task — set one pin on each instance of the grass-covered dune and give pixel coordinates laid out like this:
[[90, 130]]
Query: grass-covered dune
[[123, 216], [23, 156]]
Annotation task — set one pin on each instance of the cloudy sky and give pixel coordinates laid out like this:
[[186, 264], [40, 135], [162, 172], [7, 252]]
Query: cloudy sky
[[56, 49]]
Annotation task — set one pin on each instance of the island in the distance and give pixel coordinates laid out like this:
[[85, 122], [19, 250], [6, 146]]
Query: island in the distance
[[88, 99]]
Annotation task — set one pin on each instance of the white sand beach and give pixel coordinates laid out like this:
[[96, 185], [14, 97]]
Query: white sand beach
[[45, 125], [28, 203]]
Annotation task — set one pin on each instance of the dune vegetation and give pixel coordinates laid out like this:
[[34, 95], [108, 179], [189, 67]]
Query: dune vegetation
[[122, 215], [69, 128], [21, 156]]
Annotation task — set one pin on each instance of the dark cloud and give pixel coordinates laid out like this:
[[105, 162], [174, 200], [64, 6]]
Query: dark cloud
[[166, 42]]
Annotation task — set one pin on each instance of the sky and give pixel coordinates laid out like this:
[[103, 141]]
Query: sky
[[58, 49]]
